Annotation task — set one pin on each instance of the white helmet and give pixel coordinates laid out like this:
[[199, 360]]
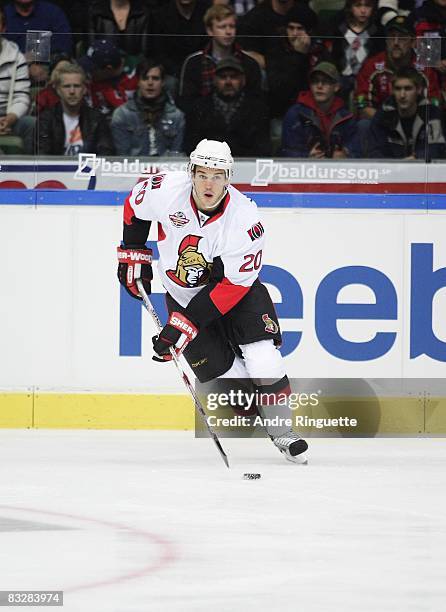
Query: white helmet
[[212, 154]]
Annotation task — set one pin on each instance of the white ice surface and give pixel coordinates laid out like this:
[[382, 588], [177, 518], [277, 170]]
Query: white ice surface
[[154, 521]]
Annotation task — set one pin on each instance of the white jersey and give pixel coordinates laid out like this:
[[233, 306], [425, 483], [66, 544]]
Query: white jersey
[[190, 243]]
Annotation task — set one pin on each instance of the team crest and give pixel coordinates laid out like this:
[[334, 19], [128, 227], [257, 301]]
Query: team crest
[[192, 268], [256, 231], [178, 219], [270, 326]]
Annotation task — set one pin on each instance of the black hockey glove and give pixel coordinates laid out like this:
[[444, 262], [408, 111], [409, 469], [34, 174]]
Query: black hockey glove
[[178, 332], [135, 263]]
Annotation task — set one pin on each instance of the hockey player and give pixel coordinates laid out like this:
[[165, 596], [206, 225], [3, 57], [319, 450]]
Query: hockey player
[[210, 241]]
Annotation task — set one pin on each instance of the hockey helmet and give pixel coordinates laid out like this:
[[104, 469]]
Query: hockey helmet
[[212, 154]]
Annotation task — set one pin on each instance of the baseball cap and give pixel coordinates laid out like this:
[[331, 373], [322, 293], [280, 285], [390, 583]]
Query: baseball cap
[[402, 24], [100, 54], [229, 62], [302, 14], [328, 69]]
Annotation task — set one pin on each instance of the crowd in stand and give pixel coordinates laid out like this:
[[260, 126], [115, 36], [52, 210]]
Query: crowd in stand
[[271, 77]]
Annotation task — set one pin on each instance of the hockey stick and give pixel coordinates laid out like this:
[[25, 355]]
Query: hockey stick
[[150, 309]]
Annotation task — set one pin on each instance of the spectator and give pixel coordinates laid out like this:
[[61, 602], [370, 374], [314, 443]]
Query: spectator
[[197, 74], [47, 97], [354, 37], [109, 86], [373, 84], [319, 126], [263, 26], [288, 64], [125, 21], [407, 126], [25, 15], [179, 31], [14, 93], [149, 123], [230, 114], [72, 127]]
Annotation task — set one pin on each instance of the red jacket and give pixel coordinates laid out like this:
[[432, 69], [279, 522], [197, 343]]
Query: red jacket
[[374, 81], [108, 95]]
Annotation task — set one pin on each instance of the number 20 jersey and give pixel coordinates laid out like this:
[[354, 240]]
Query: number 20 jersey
[[191, 243]]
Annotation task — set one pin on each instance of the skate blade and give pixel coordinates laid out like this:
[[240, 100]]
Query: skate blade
[[301, 459]]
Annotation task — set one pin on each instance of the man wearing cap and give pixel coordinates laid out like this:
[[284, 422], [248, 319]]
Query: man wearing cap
[[198, 71], [374, 80], [231, 114], [319, 126], [110, 86], [288, 64]]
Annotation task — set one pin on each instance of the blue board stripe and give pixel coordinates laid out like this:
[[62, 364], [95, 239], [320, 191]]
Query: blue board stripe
[[72, 197]]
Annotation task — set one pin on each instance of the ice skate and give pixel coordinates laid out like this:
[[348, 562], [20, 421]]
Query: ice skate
[[292, 446]]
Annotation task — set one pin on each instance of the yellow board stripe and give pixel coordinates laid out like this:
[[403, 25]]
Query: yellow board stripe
[[395, 415]]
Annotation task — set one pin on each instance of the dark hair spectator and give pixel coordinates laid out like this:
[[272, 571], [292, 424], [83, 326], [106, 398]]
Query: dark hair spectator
[[25, 15], [71, 126], [127, 22], [230, 114], [150, 123], [14, 97], [109, 85], [407, 126], [288, 64], [179, 31], [319, 126], [352, 39], [261, 28], [373, 84], [198, 71]]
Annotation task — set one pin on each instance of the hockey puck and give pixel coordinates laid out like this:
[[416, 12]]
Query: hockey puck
[[251, 476]]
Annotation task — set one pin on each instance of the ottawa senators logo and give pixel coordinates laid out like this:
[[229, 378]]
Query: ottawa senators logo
[[256, 231], [192, 269], [270, 326]]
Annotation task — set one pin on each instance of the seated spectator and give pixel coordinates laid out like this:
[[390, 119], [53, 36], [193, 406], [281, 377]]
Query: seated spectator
[[261, 28], [149, 123], [288, 64], [47, 97], [14, 93], [230, 114], [354, 37], [373, 84], [72, 127], [198, 71], [179, 31], [25, 15], [125, 21], [109, 86], [407, 126], [319, 126]]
